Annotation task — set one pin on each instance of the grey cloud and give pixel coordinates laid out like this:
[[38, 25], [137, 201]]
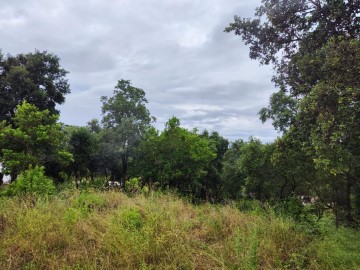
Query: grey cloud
[[175, 50]]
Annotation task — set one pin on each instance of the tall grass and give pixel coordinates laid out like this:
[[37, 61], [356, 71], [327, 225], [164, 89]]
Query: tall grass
[[109, 230]]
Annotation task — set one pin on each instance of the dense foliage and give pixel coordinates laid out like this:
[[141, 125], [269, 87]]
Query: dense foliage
[[104, 196], [314, 48], [32, 182], [176, 158], [35, 77], [125, 120], [34, 138]]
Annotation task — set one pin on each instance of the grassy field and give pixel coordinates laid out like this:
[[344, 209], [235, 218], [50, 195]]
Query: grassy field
[[110, 230]]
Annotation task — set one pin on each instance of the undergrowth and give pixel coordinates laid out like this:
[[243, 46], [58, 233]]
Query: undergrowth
[[111, 230]]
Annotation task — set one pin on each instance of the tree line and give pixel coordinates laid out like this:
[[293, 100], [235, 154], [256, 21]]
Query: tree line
[[314, 48]]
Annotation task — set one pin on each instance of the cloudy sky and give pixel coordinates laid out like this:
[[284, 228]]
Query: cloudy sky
[[175, 50]]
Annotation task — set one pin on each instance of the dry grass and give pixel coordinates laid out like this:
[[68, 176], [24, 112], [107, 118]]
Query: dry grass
[[109, 230]]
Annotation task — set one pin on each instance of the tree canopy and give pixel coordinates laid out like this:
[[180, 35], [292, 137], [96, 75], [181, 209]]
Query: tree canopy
[[314, 47], [125, 120], [35, 77], [288, 33], [175, 158]]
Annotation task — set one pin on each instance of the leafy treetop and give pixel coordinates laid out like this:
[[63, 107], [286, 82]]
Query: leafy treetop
[[35, 77]]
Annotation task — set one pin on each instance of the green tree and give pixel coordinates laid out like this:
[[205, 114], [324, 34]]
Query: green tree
[[212, 182], [274, 171], [255, 163], [313, 46], [94, 126], [34, 139], [288, 33], [233, 177], [82, 146], [331, 115], [125, 120], [293, 168], [35, 77], [176, 158]]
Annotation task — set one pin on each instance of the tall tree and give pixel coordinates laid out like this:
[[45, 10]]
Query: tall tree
[[313, 46], [35, 77], [287, 32], [125, 120], [329, 117]]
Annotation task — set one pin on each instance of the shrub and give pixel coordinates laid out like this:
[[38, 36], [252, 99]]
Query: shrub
[[32, 181], [291, 207], [132, 186]]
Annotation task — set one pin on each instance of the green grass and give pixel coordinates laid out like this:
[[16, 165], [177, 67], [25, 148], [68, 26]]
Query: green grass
[[109, 230]]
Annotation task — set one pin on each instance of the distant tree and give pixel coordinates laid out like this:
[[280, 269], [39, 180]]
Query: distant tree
[[274, 171], [233, 177], [254, 162], [35, 77], [94, 126], [253, 172], [212, 182], [82, 146], [125, 120], [175, 158], [34, 139]]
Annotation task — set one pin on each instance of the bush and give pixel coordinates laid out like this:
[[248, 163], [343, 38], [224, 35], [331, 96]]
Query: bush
[[292, 207], [132, 185], [32, 181]]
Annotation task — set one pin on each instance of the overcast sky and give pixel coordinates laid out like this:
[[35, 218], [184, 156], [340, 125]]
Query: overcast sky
[[175, 50]]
